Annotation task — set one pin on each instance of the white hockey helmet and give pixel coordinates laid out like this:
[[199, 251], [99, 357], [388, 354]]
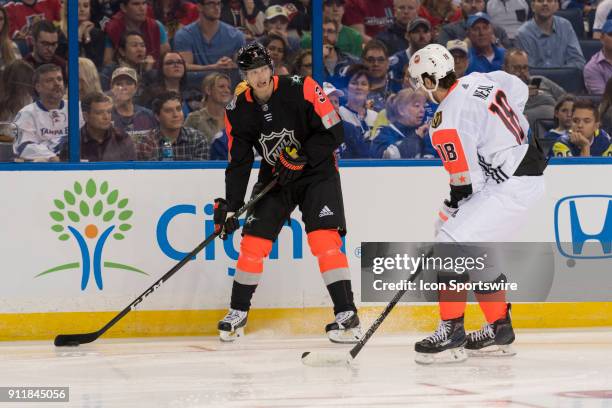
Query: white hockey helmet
[[433, 60]]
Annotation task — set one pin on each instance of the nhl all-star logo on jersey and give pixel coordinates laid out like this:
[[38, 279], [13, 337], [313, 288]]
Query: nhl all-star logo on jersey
[[273, 143]]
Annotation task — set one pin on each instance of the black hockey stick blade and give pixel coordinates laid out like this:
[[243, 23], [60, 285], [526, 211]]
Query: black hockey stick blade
[[63, 340]]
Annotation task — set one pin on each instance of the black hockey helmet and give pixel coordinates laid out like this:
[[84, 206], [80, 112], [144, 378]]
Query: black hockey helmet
[[254, 56]]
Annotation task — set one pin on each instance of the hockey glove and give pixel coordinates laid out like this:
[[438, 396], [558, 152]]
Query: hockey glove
[[446, 212], [225, 222], [289, 166]]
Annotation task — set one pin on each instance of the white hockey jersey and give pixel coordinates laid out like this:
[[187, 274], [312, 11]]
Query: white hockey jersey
[[480, 132], [42, 133]]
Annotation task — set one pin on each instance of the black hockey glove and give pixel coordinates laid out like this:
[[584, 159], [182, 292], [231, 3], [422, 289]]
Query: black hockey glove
[[224, 220], [289, 166]]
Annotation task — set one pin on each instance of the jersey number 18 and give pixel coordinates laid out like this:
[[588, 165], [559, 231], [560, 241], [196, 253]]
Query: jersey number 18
[[502, 109]]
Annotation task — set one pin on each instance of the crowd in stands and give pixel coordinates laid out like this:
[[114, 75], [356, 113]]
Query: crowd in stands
[[155, 76]]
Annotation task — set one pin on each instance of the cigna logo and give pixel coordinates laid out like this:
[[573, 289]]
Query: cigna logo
[[91, 215], [583, 218]]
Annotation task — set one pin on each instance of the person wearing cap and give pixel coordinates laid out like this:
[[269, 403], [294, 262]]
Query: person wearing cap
[[599, 68], [394, 37], [128, 117], [484, 55], [550, 41], [458, 29], [277, 22], [459, 51], [418, 35]]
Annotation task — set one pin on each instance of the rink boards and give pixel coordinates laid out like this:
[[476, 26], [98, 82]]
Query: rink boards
[[78, 246]]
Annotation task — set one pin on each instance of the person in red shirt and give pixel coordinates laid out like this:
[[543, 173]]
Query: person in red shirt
[[439, 12], [24, 13], [368, 17], [173, 14]]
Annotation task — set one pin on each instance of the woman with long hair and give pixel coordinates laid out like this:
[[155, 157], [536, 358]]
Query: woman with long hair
[[277, 47], [357, 110], [9, 51], [302, 65], [91, 37], [16, 89], [174, 14], [131, 52], [89, 80], [563, 117]]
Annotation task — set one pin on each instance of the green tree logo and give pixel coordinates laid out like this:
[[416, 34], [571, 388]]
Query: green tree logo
[[91, 215]]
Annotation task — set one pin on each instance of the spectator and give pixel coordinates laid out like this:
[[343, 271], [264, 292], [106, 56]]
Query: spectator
[[418, 35], [484, 55], [171, 75], [99, 139], [376, 59], [45, 41], [128, 117], [599, 68], [103, 10], [91, 38], [605, 107], [356, 110], [299, 16], [209, 44], [439, 13], [549, 40], [302, 65], [174, 14], [603, 13], [458, 29], [89, 80], [133, 17], [563, 117], [334, 59], [9, 51], [132, 53], [247, 14], [460, 53], [369, 17], [405, 137], [43, 125], [395, 37], [354, 146], [509, 14], [277, 22], [585, 138], [171, 140], [22, 15], [543, 93], [209, 120], [278, 49], [16, 89]]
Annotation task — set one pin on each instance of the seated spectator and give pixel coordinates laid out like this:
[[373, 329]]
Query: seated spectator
[[585, 138], [278, 49], [132, 53], [174, 14], [376, 59], [22, 15], [549, 40], [43, 125], [395, 37], [103, 10], [171, 140], [460, 53], [209, 120], [563, 117], [439, 13], [133, 17], [543, 93], [302, 65], [92, 39], [458, 29], [16, 89], [603, 13], [89, 80], [509, 14], [334, 59], [356, 110], [354, 146], [246, 14], [45, 39], [99, 139], [9, 51], [277, 22], [418, 35], [484, 55], [128, 117], [405, 137], [369, 17], [299, 16], [605, 108], [209, 44], [599, 68]]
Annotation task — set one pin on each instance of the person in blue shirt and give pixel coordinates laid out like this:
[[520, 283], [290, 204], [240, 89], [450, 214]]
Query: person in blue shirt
[[484, 55], [405, 137]]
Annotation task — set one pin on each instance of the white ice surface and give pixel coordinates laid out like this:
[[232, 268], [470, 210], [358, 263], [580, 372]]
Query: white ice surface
[[553, 368]]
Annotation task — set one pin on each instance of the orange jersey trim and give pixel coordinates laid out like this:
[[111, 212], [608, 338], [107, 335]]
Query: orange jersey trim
[[448, 145], [230, 138]]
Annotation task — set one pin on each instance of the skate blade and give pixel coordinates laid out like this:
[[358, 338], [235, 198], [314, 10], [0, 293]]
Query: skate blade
[[493, 351], [456, 355], [348, 336], [228, 337]]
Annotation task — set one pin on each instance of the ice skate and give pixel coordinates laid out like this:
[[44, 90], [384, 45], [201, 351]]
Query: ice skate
[[493, 340], [232, 325], [445, 345], [345, 329]]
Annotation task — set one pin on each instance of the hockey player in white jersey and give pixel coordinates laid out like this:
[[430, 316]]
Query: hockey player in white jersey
[[481, 135]]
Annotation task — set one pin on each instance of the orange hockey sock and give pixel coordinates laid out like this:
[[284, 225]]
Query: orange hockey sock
[[493, 305]]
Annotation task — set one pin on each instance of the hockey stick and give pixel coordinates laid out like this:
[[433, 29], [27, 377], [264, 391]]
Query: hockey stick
[[76, 339], [330, 358]]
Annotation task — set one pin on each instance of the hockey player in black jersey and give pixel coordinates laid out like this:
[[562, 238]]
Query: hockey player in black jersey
[[277, 116]]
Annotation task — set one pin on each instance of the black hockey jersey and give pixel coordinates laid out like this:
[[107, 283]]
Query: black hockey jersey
[[298, 114]]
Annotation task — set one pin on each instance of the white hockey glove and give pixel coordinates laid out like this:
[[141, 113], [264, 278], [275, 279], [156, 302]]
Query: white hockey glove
[[444, 214]]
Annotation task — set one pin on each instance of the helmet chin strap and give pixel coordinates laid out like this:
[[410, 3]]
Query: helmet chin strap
[[431, 91]]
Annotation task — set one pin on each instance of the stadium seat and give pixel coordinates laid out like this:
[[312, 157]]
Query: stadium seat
[[574, 15], [569, 79], [590, 48], [542, 126], [596, 99], [6, 152]]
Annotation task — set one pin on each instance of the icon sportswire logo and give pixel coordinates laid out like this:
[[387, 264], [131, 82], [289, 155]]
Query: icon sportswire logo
[[91, 215]]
